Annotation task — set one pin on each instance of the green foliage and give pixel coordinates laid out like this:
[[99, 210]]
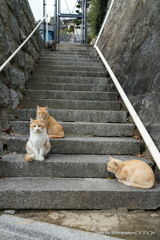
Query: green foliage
[[96, 15], [77, 22], [69, 30], [78, 6]]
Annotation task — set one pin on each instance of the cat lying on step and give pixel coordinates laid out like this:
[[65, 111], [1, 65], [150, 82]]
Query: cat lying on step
[[54, 129], [38, 145], [134, 173]]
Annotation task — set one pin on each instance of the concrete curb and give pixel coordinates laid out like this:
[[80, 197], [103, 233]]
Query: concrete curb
[[16, 228]]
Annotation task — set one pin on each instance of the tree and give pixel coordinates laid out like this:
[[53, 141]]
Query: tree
[[96, 14]]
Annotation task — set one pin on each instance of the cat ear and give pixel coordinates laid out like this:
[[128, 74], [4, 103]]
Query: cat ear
[[46, 107], [111, 158], [31, 120], [115, 163], [38, 107]]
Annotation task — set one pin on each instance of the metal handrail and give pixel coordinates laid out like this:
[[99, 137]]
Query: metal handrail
[[17, 50], [144, 133]]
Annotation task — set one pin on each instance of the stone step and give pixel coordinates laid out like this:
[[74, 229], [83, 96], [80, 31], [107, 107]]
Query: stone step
[[71, 95], [66, 46], [70, 87], [70, 53], [72, 104], [74, 193], [17, 228], [70, 68], [70, 58], [83, 129], [81, 145], [61, 166], [73, 52], [75, 115], [70, 73], [69, 79], [79, 63], [69, 50]]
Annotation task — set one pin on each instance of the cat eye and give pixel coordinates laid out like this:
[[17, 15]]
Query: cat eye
[[39, 125]]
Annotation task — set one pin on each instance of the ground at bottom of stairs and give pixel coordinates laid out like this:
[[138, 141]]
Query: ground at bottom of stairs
[[121, 223]]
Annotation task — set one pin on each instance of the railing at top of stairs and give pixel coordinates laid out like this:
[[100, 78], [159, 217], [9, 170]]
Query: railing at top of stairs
[[145, 135], [17, 50]]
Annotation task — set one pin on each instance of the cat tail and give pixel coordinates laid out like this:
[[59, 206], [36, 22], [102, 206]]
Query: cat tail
[[28, 157], [56, 136], [137, 185], [141, 186]]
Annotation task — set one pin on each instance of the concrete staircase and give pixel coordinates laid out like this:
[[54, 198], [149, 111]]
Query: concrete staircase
[[72, 82]]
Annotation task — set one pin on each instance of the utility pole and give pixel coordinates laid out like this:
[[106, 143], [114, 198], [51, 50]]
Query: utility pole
[[55, 20], [85, 22], [44, 22], [58, 22]]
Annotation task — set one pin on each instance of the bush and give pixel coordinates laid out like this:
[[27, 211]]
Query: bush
[[96, 15]]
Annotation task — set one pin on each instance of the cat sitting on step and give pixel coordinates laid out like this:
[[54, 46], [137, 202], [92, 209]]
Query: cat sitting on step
[[54, 129], [134, 173], [52, 44], [38, 145]]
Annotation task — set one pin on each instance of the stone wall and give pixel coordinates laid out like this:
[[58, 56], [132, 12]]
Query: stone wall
[[130, 43], [16, 23]]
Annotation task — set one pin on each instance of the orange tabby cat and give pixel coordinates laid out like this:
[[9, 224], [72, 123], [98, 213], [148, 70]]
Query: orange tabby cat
[[54, 129], [134, 173]]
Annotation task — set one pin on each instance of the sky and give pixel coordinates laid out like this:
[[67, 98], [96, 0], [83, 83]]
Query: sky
[[67, 6]]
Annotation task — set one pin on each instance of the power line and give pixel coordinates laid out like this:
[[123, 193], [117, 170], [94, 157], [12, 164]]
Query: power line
[[39, 8], [67, 6]]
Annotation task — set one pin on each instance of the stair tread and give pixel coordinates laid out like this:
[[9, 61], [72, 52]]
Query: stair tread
[[61, 165], [77, 115], [72, 104], [74, 95], [75, 158], [69, 79], [73, 184], [74, 193], [83, 138], [85, 123], [77, 86], [83, 128], [89, 101]]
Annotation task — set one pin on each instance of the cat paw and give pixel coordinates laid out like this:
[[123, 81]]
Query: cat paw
[[33, 156], [120, 180], [41, 158]]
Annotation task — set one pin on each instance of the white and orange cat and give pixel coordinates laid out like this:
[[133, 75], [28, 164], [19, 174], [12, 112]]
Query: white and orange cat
[[38, 145], [134, 173], [54, 129]]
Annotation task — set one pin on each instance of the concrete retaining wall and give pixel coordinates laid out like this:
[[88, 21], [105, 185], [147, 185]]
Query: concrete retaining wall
[[130, 43]]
